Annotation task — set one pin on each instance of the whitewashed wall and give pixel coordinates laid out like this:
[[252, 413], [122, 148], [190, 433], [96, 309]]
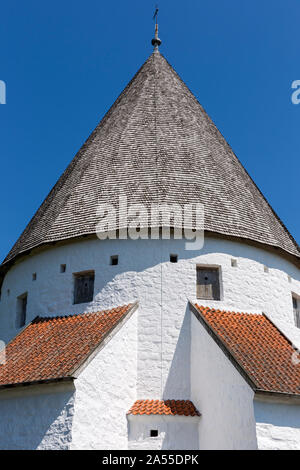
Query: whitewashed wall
[[221, 395], [174, 432], [37, 417], [163, 289], [144, 273], [105, 391], [277, 425]]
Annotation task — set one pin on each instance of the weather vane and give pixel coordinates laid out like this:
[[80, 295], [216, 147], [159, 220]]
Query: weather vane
[[155, 14], [156, 41]]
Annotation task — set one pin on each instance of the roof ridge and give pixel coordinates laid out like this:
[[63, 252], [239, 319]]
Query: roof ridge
[[231, 312], [40, 319]]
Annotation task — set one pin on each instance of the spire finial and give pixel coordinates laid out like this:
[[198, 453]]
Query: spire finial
[[156, 41]]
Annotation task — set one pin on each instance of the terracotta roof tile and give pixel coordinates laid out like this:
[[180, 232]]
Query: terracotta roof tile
[[52, 348], [164, 407], [263, 352]]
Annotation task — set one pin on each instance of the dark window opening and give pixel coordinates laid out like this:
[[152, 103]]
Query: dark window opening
[[296, 308], [114, 260], [63, 268], [208, 283], [173, 258], [34, 277], [295, 303], [21, 310], [153, 433], [84, 287]]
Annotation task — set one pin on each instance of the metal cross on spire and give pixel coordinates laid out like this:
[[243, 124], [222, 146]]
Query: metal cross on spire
[[156, 41]]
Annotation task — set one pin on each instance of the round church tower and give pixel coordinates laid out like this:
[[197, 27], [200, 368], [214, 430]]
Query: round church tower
[[103, 237]]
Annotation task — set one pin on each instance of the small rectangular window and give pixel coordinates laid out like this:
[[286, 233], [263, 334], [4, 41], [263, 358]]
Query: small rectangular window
[[296, 308], [21, 310], [84, 287], [114, 260], [63, 268], [208, 283], [153, 433], [295, 303], [34, 276], [173, 258]]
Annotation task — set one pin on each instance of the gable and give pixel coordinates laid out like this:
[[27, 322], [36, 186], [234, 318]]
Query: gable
[[255, 346], [53, 349]]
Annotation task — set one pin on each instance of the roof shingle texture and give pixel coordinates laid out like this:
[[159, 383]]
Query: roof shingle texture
[[263, 352], [53, 348], [164, 407], [156, 145]]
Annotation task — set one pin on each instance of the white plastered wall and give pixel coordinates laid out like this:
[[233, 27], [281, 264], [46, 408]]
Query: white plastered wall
[[144, 273], [37, 417], [87, 414], [277, 425], [105, 391], [174, 432], [222, 396]]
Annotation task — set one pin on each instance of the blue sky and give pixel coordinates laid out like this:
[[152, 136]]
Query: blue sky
[[65, 62]]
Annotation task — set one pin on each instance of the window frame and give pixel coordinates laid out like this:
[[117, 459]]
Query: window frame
[[296, 309], [83, 274], [210, 267], [21, 310]]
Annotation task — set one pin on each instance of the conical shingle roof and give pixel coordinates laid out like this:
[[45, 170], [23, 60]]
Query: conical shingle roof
[[156, 145]]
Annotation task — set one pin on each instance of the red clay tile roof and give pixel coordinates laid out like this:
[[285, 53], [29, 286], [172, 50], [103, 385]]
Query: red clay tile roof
[[164, 407], [53, 348], [259, 348]]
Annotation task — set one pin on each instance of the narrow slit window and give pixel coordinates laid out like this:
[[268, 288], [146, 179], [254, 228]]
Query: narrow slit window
[[208, 283], [21, 310], [84, 287], [34, 276], [296, 308]]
